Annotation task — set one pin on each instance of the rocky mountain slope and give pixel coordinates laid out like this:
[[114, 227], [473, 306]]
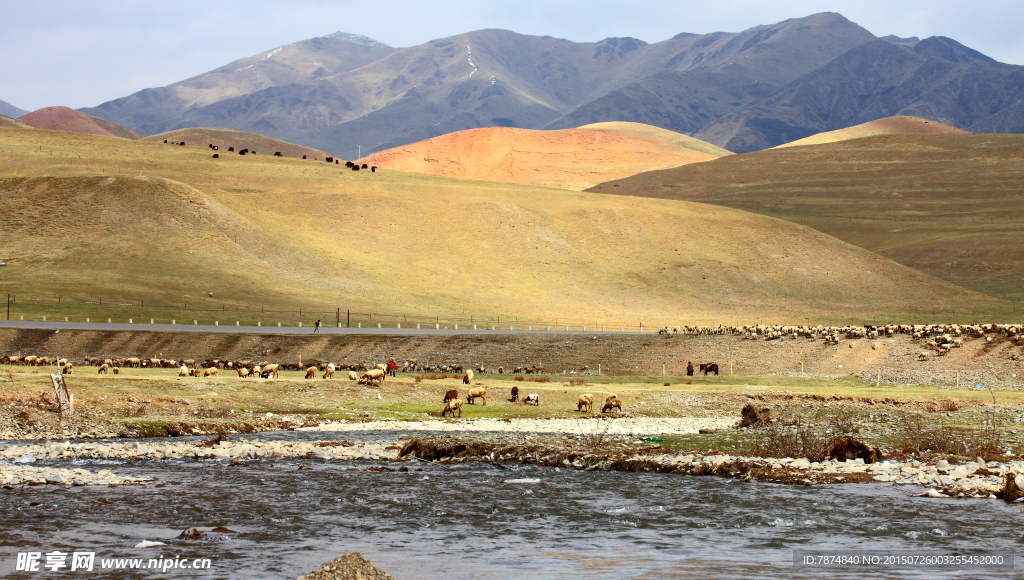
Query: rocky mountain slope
[[743, 91]]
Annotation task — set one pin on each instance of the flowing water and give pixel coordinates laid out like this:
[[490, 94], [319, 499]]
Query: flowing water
[[476, 521]]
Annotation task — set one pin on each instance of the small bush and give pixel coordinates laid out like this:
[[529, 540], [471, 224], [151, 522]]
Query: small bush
[[915, 435], [781, 441], [519, 378], [539, 380], [577, 382]]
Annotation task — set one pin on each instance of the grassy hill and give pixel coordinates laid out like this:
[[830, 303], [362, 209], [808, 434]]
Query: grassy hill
[[563, 159], [95, 216], [225, 138], [900, 124], [946, 204], [9, 122], [652, 133]]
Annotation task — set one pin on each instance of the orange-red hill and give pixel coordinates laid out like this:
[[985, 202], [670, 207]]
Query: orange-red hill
[[565, 159], [65, 119]]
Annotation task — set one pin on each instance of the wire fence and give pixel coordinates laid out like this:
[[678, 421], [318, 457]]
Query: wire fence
[[62, 309]]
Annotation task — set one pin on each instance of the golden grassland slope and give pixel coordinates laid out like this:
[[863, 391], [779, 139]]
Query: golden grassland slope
[[564, 159], [9, 122], [899, 124], [103, 216], [947, 204], [652, 133], [225, 138], [65, 119]]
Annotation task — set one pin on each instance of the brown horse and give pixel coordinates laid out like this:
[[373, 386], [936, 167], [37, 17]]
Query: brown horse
[[709, 368]]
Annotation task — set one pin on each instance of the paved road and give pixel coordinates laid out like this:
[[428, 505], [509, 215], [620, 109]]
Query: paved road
[[51, 325]]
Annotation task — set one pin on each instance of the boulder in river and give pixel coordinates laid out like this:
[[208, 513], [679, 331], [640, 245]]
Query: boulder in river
[[1014, 486], [351, 566]]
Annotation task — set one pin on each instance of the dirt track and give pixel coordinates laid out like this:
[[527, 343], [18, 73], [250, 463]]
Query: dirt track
[[999, 364]]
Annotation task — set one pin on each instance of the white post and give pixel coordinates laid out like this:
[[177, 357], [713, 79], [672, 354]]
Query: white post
[[130, 321], [474, 327], [195, 322], [400, 325], [417, 325], [548, 328], [87, 320], [300, 324], [622, 329], [529, 327], [174, 321], [492, 327], [259, 323], [510, 327], [237, 323], [44, 319], [662, 369], [216, 323], [378, 325], [359, 325], [602, 329], [598, 369], [279, 325], [151, 321], [567, 328], [65, 319], [437, 327], [108, 321]]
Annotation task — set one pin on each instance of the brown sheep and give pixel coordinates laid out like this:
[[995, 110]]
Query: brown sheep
[[585, 402], [375, 376], [452, 406], [116, 370], [183, 371], [103, 369], [68, 367], [467, 379], [611, 402], [477, 392], [353, 376], [270, 371], [211, 372], [195, 373], [329, 372], [311, 373], [243, 372], [515, 394], [451, 394]]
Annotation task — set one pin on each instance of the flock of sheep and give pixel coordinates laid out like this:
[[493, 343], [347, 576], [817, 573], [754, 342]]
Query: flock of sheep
[[832, 334], [453, 404]]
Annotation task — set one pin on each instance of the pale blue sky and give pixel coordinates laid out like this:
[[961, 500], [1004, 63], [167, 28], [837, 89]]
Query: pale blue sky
[[81, 53]]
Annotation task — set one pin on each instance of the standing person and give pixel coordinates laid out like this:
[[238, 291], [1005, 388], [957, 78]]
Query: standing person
[[689, 369], [316, 326], [392, 365]]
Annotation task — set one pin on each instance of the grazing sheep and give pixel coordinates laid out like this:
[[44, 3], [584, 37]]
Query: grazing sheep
[[365, 166], [216, 155], [373, 169], [532, 399], [501, 370], [183, 371], [611, 402], [116, 370], [311, 373], [353, 376], [451, 406], [515, 394], [243, 372], [277, 154], [467, 379], [271, 371], [375, 376], [451, 394], [103, 369], [256, 370], [211, 372], [68, 367], [329, 371], [477, 392], [585, 402], [379, 366]]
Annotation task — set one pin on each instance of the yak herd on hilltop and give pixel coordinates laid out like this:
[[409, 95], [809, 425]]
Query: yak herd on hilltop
[[328, 159]]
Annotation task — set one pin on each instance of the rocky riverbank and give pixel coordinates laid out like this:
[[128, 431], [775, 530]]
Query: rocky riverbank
[[973, 479], [587, 425]]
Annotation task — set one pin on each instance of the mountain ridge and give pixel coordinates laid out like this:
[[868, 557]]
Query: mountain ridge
[[741, 91]]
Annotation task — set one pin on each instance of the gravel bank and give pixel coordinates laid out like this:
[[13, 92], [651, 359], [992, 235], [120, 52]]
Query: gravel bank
[[631, 426]]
